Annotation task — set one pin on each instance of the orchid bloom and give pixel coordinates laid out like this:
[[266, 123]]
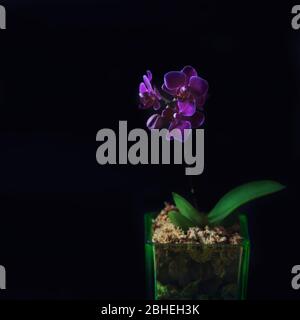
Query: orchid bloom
[[185, 110], [186, 85], [149, 95]]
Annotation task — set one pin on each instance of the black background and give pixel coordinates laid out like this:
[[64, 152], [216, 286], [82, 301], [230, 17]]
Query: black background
[[73, 229]]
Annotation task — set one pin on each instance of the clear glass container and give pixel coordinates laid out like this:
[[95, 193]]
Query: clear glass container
[[197, 271]]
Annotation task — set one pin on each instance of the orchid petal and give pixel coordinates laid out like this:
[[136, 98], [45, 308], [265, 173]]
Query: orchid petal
[[197, 119], [156, 121], [142, 88], [156, 105], [186, 108], [198, 86], [147, 83], [169, 91], [151, 122], [149, 75], [200, 101], [174, 79], [189, 72]]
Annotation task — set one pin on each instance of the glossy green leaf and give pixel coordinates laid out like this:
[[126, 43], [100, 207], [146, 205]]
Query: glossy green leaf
[[241, 195], [188, 211], [179, 220]]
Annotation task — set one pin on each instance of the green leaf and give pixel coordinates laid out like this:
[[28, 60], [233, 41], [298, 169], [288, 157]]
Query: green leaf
[[188, 211], [241, 195], [179, 220]]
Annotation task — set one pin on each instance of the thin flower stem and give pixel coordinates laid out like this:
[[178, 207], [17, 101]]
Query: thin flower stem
[[193, 191]]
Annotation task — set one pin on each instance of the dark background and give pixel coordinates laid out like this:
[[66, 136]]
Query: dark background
[[73, 229]]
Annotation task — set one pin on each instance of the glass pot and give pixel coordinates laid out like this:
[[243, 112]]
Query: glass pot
[[197, 271]]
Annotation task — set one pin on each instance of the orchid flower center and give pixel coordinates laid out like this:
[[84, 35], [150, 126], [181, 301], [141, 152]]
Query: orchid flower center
[[183, 93]]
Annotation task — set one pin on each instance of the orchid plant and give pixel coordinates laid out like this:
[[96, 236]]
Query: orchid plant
[[187, 216], [180, 101], [179, 104]]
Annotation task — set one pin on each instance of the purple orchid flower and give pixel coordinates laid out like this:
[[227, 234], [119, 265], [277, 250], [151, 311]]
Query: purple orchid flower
[[186, 85], [184, 111], [181, 117], [149, 95]]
